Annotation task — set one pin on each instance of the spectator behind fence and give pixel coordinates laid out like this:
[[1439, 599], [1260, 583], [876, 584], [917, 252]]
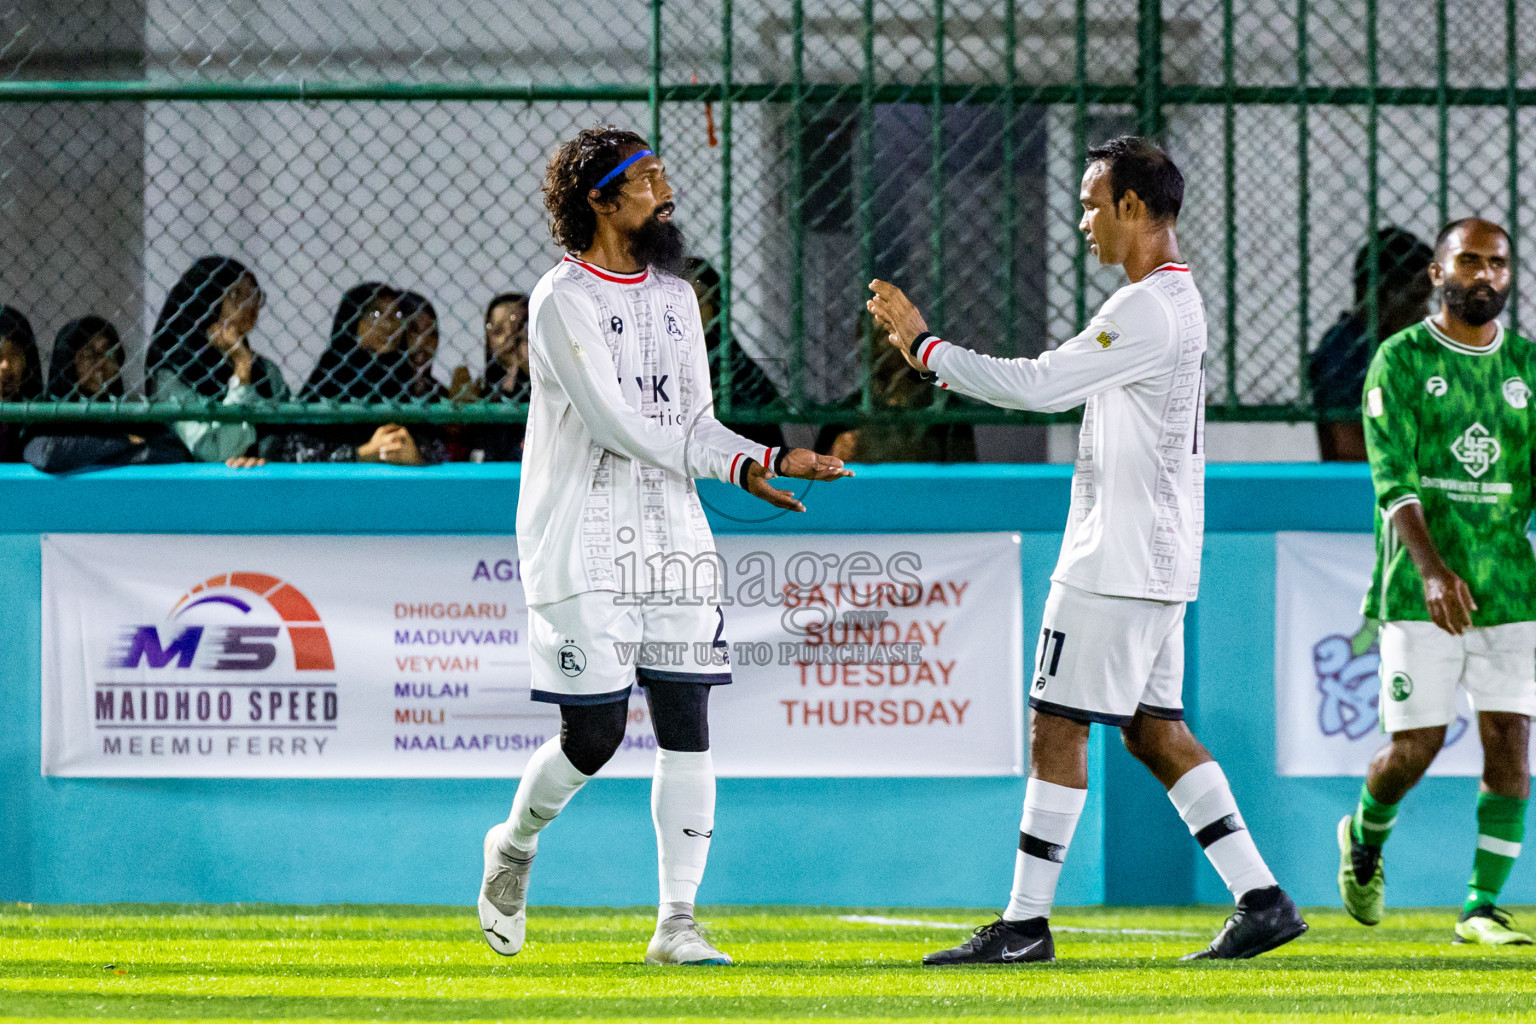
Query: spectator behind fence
[[750, 386], [1337, 368], [21, 375], [86, 365], [200, 352], [366, 362], [418, 319], [893, 389], [505, 380]]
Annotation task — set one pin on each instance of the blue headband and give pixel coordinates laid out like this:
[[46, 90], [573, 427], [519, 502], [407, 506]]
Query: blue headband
[[605, 179]]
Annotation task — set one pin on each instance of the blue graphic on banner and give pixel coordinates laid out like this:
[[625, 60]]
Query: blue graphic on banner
[[1349, 680]]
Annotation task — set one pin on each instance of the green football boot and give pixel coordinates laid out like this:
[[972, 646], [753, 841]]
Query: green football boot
[[1487, 925], [1362, 885]]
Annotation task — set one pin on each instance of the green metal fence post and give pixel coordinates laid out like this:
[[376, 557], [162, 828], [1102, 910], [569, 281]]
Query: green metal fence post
[[936, 171], [727, 341], [1149, 68], [1512, 85], [655, 98], [1010, 199], [1372, 181], [1079, 158], [1229, 197], [867, 201], [1442, 115], [1303, 205], [797, 206]]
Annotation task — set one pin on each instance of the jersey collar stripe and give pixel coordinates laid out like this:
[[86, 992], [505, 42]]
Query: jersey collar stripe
[[608, 275], [1182, 268], [1456, 346]]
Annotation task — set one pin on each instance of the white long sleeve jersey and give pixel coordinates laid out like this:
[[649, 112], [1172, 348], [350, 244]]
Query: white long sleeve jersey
[[1137, 518], [620, 423]]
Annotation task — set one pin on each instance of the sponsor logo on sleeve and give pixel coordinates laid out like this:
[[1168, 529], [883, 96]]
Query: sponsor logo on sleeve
[[1109, 335], [1373, 403]]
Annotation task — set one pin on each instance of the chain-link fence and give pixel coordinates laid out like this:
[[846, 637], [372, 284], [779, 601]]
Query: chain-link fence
[[324, 145]]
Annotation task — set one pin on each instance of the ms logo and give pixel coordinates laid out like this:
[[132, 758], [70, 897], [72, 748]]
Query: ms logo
[[232, 616], [1476, 450]]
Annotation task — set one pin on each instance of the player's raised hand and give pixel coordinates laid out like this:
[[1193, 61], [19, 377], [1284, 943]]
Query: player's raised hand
[[1449, 601], [805, 464], [893, 311]]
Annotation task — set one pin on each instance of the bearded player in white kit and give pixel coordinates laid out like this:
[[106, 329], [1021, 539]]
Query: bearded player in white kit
[[610, 529], [1111, 649]]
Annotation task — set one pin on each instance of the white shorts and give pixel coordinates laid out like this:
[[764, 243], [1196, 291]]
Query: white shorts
[[1102, 659], [1422, 665], [591, 648]]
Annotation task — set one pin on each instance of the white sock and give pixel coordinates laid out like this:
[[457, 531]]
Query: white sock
[[1050, 818], [549, 782], [683, 808], [1204, 800]]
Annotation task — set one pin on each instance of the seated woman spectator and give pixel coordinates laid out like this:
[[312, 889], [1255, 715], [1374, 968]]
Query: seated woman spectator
[[21, 376], [200, 352], [86, 365], [505, 380], [418, 321], [364, 363], [750, 386]]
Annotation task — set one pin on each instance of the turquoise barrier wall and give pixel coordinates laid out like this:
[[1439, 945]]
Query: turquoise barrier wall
[[854, 842]]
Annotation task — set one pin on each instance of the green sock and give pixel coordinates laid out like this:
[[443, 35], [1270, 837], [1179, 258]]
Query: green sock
[[1500, 828], [1373, 819]]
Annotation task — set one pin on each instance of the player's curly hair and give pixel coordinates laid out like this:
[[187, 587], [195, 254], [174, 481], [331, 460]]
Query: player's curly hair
[[576, 167]]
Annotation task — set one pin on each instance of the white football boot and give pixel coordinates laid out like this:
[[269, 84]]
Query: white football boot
[[677, 941], [503, 903]]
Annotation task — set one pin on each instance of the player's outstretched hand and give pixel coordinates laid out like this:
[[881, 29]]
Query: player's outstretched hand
[[757, 483], [895, 314], [1449, 601], [805, 464]]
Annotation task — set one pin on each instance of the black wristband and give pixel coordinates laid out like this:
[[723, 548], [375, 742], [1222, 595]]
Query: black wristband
[[746, 467], [778, 460], [917, 343]]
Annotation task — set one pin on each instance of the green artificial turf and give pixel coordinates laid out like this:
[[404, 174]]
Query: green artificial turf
[[373, 963]]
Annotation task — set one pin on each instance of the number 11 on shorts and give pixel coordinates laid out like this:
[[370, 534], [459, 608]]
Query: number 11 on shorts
[[1050, 640]]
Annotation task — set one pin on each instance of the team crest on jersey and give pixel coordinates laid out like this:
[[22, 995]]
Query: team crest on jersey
[[674, 326], [1517, 393], [1476, 450], [1109, 335], [1436, 386], [617, 325]]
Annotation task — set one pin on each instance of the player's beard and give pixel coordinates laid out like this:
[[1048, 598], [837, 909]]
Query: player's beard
[[1476, 305], [660, 244]]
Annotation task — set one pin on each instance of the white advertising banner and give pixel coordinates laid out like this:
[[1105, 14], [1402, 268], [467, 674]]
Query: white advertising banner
[[1326, 661], [396, 657]]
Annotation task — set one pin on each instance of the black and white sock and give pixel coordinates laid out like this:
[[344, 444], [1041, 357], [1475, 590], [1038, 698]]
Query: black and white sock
[[1050, 818], [1204, 800]]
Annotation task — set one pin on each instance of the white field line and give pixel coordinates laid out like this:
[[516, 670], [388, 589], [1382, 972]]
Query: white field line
[[908, 922]]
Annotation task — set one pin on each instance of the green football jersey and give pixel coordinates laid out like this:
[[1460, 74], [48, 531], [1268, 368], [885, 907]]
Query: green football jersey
[[1452, 427]]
